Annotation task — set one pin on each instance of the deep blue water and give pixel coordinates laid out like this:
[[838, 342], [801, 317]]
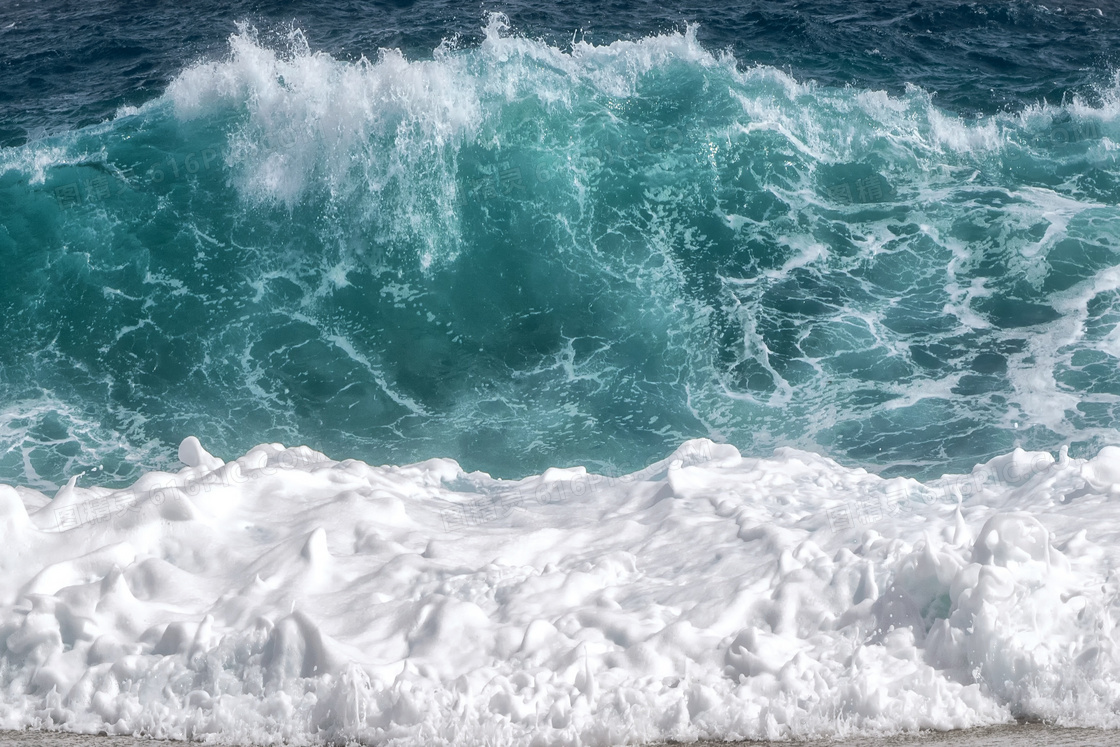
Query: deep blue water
[[532, 234]]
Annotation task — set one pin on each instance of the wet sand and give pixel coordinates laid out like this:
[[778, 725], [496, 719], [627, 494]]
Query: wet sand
[[1017, 735], [1014, 735]]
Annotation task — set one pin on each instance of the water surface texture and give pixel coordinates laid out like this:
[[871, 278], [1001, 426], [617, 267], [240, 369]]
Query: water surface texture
[[531, 234]]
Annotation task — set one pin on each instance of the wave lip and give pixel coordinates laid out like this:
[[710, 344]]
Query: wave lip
[[288, 596]]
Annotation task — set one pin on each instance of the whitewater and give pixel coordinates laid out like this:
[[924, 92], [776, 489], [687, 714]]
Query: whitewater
[[895, 327], [287, 597]]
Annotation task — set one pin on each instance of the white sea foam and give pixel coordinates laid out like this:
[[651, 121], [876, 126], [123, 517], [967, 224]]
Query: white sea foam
[[286, 596]]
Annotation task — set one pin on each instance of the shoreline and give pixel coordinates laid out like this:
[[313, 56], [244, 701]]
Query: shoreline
[[1005, 735]]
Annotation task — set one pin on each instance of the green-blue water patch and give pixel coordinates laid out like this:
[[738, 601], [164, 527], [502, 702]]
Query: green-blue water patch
[[520, 257]]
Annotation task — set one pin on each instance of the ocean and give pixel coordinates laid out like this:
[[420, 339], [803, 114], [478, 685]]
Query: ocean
[[471, 290], [564, 235]]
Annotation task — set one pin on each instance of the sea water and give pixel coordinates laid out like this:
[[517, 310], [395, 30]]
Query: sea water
[[749, 373]]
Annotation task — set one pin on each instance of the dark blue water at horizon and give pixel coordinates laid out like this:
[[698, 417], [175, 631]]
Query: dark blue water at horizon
[[69, 64], [534, 234]]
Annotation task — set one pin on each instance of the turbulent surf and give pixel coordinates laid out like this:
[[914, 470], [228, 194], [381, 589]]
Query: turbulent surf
[[736, 404]]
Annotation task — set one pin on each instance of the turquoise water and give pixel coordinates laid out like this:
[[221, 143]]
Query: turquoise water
[[520, 255]]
